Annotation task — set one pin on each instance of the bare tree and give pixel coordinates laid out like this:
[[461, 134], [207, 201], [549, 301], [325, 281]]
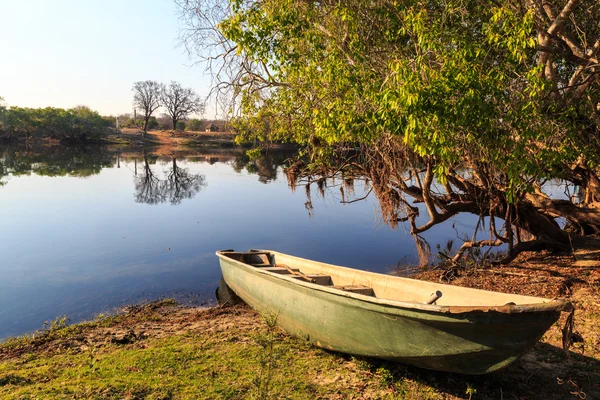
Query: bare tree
[[180, 102], [146, 97]]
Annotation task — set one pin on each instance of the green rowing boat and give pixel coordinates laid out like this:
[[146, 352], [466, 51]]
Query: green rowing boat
[[426, 324]]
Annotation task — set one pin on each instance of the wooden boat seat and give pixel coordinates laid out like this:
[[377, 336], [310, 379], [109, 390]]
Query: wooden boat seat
[[280, 270], [256, 258], [263, 265], [324, 280], [358, 289]]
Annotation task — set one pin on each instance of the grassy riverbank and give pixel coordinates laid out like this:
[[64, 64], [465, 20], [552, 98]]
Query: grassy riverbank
[[165, 351]]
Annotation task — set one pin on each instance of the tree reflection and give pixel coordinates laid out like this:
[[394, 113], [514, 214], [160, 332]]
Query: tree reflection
[[54, 161], [151, 186], [181, 184], [147, 186], [178, 185], [265, 166]]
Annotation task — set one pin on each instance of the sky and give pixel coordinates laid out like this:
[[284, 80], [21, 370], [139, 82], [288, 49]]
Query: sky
[[64, 53]]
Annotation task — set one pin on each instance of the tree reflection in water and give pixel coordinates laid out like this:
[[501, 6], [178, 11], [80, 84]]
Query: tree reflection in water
[[179, 184], [265, 166], [72, 161], [151, 186], [148, 186]]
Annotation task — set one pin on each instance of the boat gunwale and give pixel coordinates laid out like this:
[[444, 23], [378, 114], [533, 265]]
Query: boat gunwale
[[550, 305]]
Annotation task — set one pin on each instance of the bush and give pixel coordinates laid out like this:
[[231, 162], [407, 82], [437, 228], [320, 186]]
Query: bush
[[152, 123], [76, 124], [194, 125], [180, 125], [110, 121]]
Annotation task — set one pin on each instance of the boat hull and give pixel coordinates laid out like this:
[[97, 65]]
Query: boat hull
[[469, 342]]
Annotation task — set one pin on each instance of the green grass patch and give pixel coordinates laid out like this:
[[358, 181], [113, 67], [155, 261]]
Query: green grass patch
[[163, 351]]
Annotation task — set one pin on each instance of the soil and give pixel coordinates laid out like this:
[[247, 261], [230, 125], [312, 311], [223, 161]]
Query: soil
[[136, 137]]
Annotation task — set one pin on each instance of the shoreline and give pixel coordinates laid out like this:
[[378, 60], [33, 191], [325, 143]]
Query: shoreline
[[221, 349], [128, 138]]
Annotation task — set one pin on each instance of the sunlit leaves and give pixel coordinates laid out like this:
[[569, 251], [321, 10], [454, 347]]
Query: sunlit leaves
[[456, 80]]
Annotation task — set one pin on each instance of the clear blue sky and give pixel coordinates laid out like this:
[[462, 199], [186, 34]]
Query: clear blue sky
[[63, 53]]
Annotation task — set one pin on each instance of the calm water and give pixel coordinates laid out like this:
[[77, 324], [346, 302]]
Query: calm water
[[84, 232]]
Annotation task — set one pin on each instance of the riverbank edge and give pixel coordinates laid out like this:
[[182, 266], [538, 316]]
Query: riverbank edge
[[136, 138], [226, 352]]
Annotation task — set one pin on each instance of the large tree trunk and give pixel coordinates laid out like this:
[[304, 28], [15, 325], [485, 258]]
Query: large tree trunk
[[541, 226], [585, 217]]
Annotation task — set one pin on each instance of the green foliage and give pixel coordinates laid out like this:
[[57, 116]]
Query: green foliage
[[77, 124], [152, 123], [254, 153], [57, 324], [455, 80], [470, 391], [109, 121], [385, 376], [268, 359], [181, 125], [194, 124]]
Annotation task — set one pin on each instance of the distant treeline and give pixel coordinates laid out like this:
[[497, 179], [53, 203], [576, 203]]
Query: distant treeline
[[165, 123], [82, 124], [79, 124]]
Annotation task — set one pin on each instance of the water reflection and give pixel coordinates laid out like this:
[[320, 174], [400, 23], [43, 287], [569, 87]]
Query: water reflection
[[265, 167], [147, 185], [178, 184], [152, 186], [54, 161], [82, 246]]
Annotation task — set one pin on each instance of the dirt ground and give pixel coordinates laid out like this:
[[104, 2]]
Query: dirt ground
[[131, 136]]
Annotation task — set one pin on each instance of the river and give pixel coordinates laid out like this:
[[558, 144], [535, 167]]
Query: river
[[86, 231]]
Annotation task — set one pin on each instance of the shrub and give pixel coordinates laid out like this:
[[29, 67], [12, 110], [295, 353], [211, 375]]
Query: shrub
[[194, 125], [76, 124]]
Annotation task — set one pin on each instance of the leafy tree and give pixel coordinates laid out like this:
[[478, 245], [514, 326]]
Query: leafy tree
[[180, 102], [194, 124], [147, 98], [78, 124], [109, 121], [507, 92], [126, 121], [152, 123], [18, 121]]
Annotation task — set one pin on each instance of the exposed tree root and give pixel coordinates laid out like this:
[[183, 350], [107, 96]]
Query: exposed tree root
[[406, 187]]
